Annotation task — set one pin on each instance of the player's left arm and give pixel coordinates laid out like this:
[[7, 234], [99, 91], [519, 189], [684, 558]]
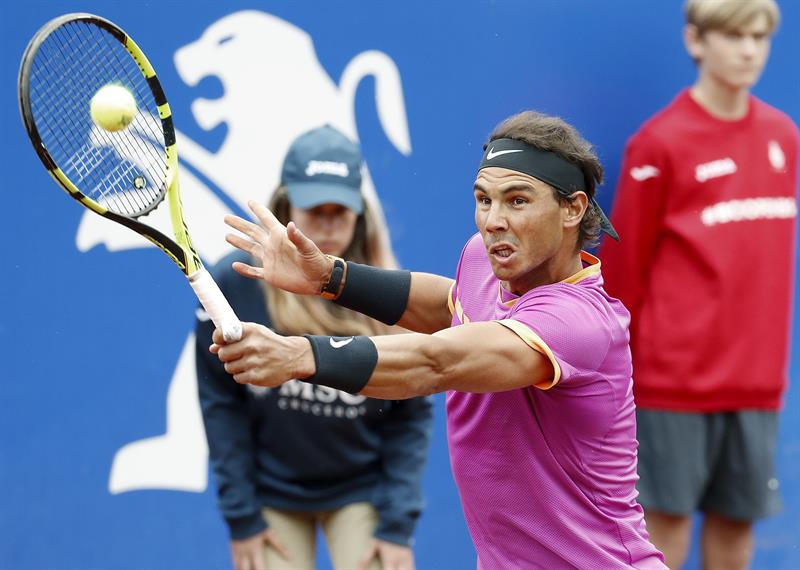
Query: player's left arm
[[475, 357]]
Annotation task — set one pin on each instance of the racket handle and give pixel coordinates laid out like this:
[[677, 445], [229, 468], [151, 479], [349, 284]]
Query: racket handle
[[216, 305]]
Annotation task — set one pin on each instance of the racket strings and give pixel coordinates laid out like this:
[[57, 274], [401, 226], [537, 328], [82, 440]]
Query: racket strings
[[142, 92], [49, 62], [80, 166], [100, 38], [126, 171], [148, 122], [84, 162], [110, 190], [142, 121]]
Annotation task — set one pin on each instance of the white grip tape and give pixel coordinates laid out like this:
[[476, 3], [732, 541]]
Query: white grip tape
[[216, 305]]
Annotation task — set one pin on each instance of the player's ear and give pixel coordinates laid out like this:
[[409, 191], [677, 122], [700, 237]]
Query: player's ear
[[692, 39], [574, 209]]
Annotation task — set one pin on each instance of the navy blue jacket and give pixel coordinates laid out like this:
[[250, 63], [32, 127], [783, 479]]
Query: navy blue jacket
[[305, 447]]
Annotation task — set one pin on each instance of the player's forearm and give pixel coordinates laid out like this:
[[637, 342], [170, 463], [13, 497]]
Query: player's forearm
[[427, 309], [409, 365], [478, 357], [393, 367], [415, 301]]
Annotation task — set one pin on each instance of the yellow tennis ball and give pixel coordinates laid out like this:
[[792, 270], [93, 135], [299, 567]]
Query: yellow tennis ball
[[112, 108]]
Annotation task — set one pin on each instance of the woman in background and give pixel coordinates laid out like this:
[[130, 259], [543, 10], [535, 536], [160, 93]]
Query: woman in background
[[290, 459]]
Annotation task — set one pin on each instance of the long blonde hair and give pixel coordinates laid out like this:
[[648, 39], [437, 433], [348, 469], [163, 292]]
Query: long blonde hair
[[305, 314]]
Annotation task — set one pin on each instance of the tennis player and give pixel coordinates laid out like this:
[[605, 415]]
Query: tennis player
[[532, 352]]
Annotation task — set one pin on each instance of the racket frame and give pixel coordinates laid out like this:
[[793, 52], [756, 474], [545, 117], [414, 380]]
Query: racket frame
[[180, 250]]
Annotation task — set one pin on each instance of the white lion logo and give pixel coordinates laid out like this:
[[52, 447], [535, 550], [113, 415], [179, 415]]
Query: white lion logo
[[274, 89]]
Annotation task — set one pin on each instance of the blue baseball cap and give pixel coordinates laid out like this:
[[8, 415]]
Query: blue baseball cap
[[323, 167]]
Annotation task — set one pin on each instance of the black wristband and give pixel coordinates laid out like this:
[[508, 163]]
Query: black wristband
[[378, 293], [343, 362]]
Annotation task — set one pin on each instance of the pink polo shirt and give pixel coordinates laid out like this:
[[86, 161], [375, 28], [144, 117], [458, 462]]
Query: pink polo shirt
[[547, 473]]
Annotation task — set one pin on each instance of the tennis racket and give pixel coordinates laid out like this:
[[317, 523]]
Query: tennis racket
[[121, 175]]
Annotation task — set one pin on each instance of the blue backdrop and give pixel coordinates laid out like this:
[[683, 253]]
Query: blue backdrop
[[102, 460]]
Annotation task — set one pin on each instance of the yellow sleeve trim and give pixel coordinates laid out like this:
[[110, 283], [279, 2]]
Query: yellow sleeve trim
[[535, 341], [460, 314], [450, 299], [455, 307]]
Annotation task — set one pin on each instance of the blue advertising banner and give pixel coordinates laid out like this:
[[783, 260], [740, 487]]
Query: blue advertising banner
[[103, 456]]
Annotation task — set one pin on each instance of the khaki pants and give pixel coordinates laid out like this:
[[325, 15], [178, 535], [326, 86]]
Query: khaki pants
[[348, 532]]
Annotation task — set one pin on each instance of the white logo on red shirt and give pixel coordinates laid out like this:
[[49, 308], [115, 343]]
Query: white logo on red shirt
[[642, 173], [776, 157], [749, 209], [714, 169]]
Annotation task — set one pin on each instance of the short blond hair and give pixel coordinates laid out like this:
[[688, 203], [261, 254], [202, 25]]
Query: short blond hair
[[729, 15]]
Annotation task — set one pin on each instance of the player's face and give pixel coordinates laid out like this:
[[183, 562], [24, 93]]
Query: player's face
[[330, 226], [523, 228], [734, 58]]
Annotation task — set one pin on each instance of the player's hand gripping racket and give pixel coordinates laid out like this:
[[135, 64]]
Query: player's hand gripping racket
[[121, 160]]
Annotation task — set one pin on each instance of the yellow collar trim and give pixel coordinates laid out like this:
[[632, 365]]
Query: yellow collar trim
[[592, 269]]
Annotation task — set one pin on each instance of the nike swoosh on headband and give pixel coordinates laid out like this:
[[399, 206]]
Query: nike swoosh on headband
[[491, 154]]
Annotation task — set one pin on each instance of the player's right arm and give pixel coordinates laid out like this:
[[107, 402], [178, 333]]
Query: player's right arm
[[292, 262]]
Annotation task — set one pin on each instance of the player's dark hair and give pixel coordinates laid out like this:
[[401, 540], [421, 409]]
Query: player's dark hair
[[557, 136]]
